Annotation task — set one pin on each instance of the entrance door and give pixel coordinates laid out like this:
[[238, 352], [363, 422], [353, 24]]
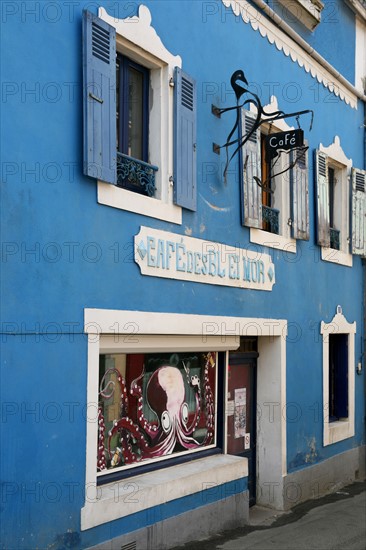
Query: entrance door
[[241, 408]]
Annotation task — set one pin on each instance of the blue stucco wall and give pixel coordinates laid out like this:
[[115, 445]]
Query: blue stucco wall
[[62, 252]]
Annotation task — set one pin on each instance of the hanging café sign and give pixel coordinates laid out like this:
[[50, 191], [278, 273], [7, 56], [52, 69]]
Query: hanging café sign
[[162, 254], [283, 141]]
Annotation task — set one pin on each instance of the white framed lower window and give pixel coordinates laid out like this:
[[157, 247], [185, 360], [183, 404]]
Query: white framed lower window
[[338, 379], [134, 332]]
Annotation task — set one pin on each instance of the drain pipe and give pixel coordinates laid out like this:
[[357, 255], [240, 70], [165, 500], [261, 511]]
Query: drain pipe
[[305, 46]]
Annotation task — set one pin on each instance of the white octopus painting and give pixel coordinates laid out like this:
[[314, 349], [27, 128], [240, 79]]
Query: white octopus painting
[[175, 426]]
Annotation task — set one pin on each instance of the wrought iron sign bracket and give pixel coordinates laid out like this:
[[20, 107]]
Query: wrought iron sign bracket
[[237, 81]]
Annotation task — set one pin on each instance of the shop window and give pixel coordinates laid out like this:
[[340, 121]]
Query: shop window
[[338, 378], [155, 406], [275, 194], [152, 170]]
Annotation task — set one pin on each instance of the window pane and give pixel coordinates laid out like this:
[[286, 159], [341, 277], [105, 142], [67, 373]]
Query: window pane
[[135, 113], [338, 376], [154, 405]]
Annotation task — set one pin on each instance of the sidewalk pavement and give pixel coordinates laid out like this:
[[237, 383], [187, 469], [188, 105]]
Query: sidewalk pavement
[[334, 522]]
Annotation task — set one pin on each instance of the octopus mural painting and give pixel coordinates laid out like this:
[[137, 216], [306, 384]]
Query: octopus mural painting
[[154, 405]]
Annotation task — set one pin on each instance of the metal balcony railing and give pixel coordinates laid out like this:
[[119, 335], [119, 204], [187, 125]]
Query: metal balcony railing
[[136, 175], [334, 238], [271, 216]]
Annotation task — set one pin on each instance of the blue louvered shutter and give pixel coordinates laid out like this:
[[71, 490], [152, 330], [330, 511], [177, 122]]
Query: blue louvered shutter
[[251, 154], [322, 198], [185, 164], [358, 212], [99, 98], [300, 195]]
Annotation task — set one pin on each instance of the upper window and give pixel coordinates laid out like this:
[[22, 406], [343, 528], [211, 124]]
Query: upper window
[[153, 406], [275, 194], [149, 156], [332, 178], [132, 117], [307, 12]]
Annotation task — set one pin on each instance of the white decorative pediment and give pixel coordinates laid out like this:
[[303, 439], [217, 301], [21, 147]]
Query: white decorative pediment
[[336, 153], [274, 35], [338, 325], [138, 30]]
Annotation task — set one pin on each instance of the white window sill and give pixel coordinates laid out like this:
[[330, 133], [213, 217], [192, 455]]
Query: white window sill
[[125, 497], [337, 431], [264, 238], [336, 256], [116, 197]]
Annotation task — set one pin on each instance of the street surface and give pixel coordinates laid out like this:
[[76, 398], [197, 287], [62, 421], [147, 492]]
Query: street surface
[[334, 522]]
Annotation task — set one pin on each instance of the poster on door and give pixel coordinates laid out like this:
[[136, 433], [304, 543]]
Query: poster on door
[[240, 405]]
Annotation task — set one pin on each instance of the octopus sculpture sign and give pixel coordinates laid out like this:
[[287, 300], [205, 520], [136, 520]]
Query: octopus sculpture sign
[[162, 254]]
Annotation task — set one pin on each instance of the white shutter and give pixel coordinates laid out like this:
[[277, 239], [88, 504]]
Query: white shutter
[[358, 212], [322, 198], [251, 154]]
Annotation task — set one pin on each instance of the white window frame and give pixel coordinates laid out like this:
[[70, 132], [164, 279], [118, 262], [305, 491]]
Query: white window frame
[[342, 166], [307, 12], [138, 40], [136, 331], [283, 241], [345, 428]]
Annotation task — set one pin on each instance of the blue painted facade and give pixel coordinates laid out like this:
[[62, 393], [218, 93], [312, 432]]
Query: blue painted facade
[[62, 252]]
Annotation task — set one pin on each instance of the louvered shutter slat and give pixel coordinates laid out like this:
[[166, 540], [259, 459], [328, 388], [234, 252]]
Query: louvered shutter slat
[[322, 202], [99, 89], [251, 155], [185, 164], [358, 212], [300, 196]]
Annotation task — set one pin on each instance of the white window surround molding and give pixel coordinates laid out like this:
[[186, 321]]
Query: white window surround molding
[[284, 241], [338, 160], [306, 11], [132, 331], [341, 429], [306, 57], [138, 40]]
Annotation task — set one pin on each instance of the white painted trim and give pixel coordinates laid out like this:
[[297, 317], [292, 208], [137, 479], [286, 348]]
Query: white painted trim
[[271, 421], [136, 38], [360, 55], [123, 199], [146, 342], [336, 153], [264, 238], [127, 330], [132, 323], [291, 48], [343, 429], [306, 12], [139, 31], [336, 256], [123, 498]]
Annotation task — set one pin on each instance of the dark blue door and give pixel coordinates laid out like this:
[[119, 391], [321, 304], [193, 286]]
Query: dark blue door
[[241, 409]]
